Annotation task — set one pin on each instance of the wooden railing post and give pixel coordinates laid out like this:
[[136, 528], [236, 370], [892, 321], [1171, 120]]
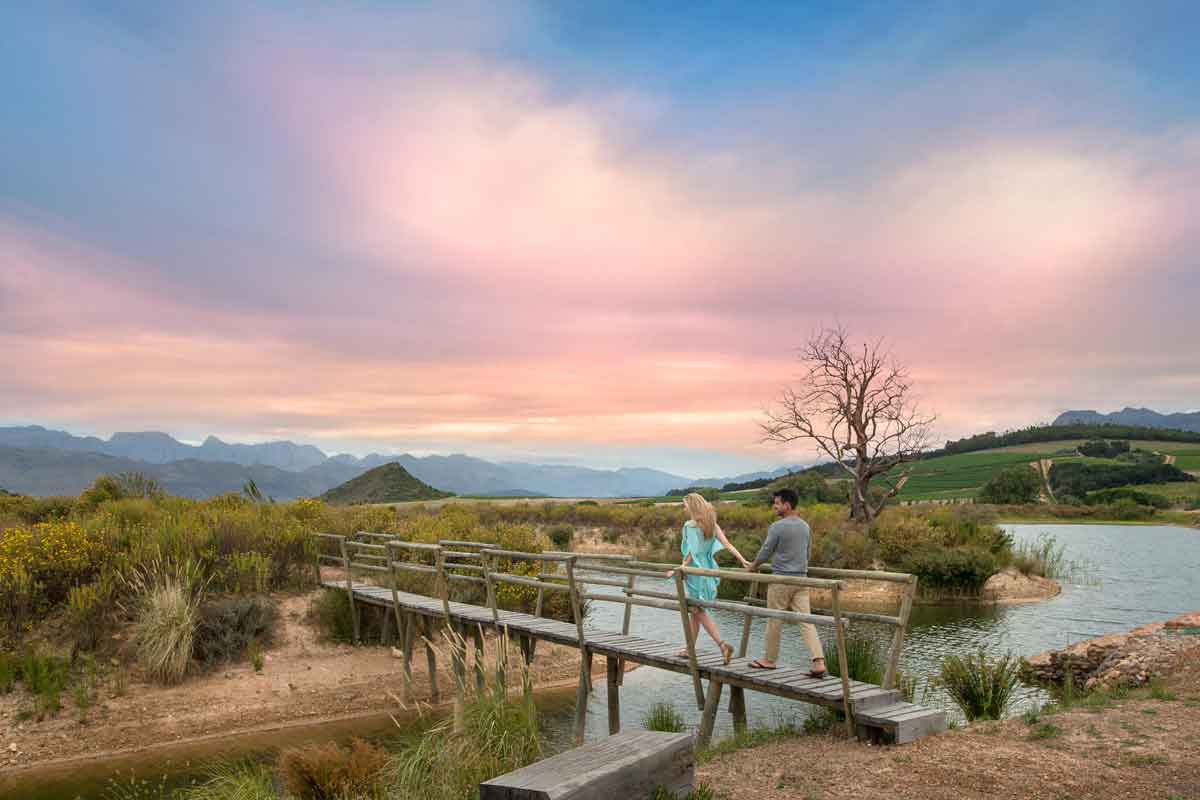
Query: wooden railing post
[[693, 665], [906, 604], [840, 633], [349, 587], [488, 566], [457, 640]]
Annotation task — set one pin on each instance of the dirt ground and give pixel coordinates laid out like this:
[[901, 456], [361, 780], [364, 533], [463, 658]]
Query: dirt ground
[[1144, 746], [303, 680]]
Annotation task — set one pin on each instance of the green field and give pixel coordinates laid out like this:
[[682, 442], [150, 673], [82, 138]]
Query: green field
[[962, 475]]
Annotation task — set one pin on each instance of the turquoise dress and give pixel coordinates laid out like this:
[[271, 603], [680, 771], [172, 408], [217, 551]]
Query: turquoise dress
[[703, 552]]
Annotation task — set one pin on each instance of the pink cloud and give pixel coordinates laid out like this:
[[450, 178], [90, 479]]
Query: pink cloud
[[493, 263]]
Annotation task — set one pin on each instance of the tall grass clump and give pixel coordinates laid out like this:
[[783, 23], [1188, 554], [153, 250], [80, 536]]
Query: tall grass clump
[[168, 607], [665, 718], [982, 688], [246, 781], [865, 659], [500, 734], [1043, 556]]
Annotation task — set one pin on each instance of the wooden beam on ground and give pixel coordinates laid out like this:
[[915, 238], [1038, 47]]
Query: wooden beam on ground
[[633, 764]]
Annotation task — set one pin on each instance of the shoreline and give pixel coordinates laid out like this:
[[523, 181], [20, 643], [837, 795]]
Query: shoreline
[[64, 764], [305, 683]]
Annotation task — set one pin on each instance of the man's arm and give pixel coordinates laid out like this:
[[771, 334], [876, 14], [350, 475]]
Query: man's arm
[[767, 550]]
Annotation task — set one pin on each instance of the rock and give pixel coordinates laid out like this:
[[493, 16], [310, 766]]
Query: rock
[[1011, 586], [12, 747]]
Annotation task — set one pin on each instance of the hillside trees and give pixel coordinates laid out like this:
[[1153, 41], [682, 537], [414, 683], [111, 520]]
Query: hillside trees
[[855, 402], [1017, 484]]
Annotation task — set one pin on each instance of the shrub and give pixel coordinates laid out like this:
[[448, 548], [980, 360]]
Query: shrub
[[9, 668], [960, 569], [901, 532], [1103, 448], [1078, 479], [1109, 496], [250, 573], [44, 677], [1012, 485], [90, 610], [245, 781], [560, 536], [328, 772], [980, 687], [226, 628], [331, 613], [664, 717]]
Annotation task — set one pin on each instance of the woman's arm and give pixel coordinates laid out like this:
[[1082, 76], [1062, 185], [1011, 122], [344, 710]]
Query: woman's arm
[[686, 561], [729, 546]]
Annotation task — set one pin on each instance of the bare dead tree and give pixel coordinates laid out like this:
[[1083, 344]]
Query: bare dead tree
[[856, 404]]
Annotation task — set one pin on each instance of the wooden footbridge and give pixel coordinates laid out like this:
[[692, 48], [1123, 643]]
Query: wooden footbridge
[[451, 569]]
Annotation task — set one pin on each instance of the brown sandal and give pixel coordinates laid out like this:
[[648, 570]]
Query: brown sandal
[[726, 651]]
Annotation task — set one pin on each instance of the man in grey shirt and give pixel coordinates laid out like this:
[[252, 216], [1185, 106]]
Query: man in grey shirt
[[786, 548]]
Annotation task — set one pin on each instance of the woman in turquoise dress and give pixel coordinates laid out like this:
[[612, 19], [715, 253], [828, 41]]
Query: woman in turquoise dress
[[702, 540]]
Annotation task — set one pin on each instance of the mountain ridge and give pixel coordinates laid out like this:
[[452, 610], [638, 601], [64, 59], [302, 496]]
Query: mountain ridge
[[458, 473], [1142, 417]]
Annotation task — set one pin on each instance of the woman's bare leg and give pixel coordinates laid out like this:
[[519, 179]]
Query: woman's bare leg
[[710, 625]]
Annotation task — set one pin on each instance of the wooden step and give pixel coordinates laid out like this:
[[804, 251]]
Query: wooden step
[[903, 722]]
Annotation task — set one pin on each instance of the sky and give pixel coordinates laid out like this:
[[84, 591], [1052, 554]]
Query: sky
[[589, 233]]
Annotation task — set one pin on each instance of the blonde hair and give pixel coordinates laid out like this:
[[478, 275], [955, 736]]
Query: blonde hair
[[702, 512]]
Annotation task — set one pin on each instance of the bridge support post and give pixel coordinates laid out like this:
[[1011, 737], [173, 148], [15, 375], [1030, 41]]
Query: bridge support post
[[480, 666], [431, 660], [406, 649], [708, 719], [737, 707], [613, 665], [581, 694], [458, 658]]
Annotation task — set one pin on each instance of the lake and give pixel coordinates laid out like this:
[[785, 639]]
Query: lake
[[1124, 576]]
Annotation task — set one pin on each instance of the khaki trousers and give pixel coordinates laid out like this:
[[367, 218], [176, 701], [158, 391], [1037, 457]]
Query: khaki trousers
[[790, 598]]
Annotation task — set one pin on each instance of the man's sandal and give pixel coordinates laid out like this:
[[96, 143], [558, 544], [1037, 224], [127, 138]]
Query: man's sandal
[[757, 664]]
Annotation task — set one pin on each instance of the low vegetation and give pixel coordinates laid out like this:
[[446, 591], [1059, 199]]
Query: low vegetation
[[665, 718], [981, 687]]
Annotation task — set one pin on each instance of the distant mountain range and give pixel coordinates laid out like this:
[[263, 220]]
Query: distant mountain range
[[1143, 417], [35, 460]]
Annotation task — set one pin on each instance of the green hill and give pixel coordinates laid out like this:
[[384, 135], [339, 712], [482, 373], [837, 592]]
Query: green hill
[[389, 483], [963, 474]]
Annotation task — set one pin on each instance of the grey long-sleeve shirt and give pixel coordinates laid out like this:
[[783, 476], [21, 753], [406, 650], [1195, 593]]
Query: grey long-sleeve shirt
[[786, 546]]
